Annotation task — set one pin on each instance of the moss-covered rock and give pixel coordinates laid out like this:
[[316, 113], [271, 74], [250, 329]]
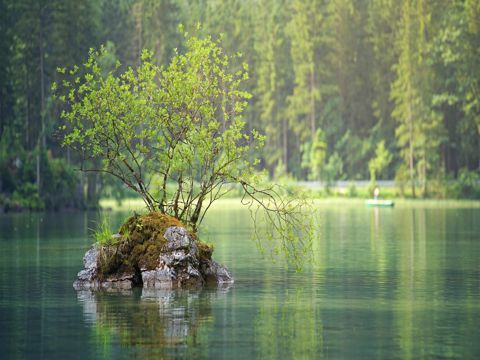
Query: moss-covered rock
[[153, 250]]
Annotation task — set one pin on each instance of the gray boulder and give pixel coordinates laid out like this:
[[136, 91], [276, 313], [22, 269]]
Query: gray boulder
[[179, 265]]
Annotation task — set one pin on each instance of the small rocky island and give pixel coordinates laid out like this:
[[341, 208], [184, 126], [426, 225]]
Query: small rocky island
[[154, 251]]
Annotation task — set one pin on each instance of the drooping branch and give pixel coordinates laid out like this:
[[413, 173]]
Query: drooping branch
[[175, 136], [286, 220]]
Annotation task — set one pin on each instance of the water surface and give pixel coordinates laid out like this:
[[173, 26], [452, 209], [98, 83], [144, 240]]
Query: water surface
[[400, 283]]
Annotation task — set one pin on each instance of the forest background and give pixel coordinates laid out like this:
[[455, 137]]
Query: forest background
[[343, 89]]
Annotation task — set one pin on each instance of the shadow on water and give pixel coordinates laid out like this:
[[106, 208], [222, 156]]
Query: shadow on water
[[149, 321]]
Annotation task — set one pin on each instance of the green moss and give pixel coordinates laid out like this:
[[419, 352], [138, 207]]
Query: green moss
[[204, 250], [140, 245]]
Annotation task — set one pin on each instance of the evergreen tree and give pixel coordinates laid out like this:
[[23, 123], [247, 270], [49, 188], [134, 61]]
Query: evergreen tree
[[272, 80], [419, 130], [310, 41]]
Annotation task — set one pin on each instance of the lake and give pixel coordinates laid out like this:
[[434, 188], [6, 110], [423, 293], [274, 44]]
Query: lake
[[401, 283]]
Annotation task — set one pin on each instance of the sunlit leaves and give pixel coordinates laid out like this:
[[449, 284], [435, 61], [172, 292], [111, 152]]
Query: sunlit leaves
[[182, 122]]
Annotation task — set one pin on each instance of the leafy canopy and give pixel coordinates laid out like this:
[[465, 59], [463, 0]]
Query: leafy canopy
[[175, 135]]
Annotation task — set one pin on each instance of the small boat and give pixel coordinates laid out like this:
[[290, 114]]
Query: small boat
[[379, 203]]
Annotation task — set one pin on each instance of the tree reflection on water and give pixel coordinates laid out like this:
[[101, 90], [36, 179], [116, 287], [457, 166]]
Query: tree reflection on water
[[149, 319]]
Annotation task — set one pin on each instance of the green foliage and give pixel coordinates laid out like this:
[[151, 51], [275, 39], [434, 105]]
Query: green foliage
[[332, 171], [102, 234], [379, 163], [352, 190], [354, 152], [314, 154], [175, 135], [116, 190], [401, 178], [57, 189], [420, 129], [27, 197], [285, 221], [272, 77], [467, 185], [403, 71], [182, 122], [280, 173], [60, 185]]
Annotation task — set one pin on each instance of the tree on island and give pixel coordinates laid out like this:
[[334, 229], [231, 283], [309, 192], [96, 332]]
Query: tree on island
[[175, 136]]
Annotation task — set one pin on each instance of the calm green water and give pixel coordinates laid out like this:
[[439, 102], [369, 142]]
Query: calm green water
[[399, 283]]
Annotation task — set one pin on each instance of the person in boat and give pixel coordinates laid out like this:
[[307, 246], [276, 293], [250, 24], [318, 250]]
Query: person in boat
[[376, 193]]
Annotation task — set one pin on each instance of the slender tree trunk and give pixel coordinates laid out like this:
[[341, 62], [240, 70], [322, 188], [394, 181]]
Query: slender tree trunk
[[27, 112], [38, 172], [41, 141], [410, 150], [424, 176], [42, 89], [79, 198], [92, 197], [138, 14], [196, 213], [312, 102], [478, 142], [285, 144]]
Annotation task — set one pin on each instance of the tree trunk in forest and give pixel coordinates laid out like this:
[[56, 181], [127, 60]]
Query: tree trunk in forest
[[41, 143], [92, 195], [138, 10], [410, 146], [79, 198], [312, 102], [424, 176], [285, 144], [27, 112]]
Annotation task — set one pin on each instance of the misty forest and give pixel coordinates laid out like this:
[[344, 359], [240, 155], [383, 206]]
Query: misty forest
[[342, 90]]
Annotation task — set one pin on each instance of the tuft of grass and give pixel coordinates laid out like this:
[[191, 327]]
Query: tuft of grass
[[126, 233], [103, 233]]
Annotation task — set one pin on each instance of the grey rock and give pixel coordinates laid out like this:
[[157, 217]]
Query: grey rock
[[86, 277], [90, 259], [177, 238], [175, 257], [178, 266], [215, 272], [193, 271], [160, 278], [123, 282]]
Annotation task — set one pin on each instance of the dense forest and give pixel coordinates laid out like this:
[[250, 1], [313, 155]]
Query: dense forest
[[343, 89]]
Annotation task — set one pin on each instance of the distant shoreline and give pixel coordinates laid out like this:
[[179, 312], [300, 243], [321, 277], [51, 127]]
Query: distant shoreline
[[137, 204]]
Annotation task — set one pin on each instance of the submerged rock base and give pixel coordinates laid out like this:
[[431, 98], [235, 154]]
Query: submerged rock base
[[142, 257]]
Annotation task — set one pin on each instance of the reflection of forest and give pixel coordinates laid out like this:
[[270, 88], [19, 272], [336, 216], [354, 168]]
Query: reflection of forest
[[149, 319], [290, 327], [400, 283]]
